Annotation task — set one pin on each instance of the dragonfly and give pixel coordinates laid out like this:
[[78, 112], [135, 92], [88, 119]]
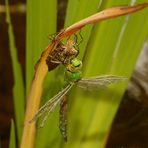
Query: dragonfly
[[73, 76]]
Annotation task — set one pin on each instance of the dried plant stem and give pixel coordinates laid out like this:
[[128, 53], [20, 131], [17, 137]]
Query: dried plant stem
[[32, 107], [33, 101], [103, 15]]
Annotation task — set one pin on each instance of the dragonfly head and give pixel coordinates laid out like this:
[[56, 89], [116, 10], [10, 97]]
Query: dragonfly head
[[74, 65]]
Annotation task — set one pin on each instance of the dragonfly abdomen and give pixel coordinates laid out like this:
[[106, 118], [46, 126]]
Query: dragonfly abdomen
[[63, 118]]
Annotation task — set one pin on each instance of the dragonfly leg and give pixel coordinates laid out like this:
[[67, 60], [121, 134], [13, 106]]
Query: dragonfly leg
[[52, 37], [54, 60], [76, 38], [81, 37]]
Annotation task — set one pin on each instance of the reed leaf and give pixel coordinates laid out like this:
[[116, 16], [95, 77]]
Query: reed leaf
[[41, 22], [111, 50], [12, 141], [18, 88]]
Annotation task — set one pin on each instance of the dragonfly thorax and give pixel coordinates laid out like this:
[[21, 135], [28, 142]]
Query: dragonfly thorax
[[73, 76], [73, 70]]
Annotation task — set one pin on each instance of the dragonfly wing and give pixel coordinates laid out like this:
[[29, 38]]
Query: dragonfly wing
[[99, 81], [50, 105], [63, 117]]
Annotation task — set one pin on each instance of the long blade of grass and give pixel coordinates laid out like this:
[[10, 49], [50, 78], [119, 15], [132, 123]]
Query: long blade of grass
[[12, 141], [18, 89], [41, 21], [91, 115]]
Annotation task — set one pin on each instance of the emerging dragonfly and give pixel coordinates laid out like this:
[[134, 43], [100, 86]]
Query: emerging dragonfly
[[73, 76], [64, 52]]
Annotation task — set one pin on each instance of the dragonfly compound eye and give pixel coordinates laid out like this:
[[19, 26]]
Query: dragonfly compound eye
[[76, 63]]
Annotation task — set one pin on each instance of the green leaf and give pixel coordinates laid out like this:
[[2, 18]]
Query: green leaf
[[41, 22], [12, 141], [113, 48], [18, 88]]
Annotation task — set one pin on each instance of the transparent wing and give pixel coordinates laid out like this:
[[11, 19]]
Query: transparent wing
[[51, 104], [98, 81]]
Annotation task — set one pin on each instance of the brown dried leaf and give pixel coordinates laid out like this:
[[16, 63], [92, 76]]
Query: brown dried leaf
[[103, 15]]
